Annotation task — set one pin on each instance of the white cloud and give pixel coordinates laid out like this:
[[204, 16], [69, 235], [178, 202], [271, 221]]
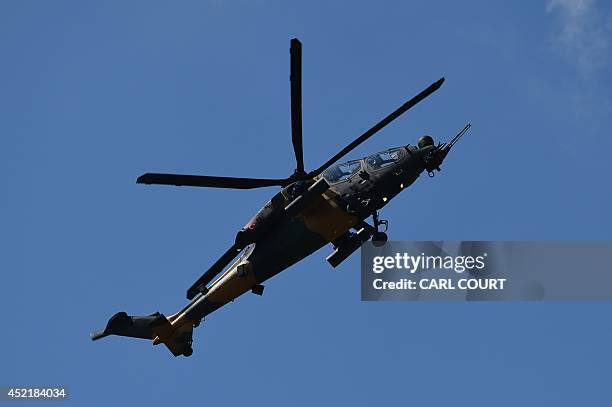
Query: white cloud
[[583, 34]]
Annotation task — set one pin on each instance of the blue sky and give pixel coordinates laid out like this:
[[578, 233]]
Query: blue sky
[[93, 94]]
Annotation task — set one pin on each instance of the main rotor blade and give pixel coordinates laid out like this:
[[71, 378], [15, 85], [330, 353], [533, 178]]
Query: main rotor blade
[[208, 181], [296, 102], [214, 270], [430, 89]]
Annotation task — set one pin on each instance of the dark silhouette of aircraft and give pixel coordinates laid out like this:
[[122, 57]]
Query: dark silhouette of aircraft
[[327, 205]]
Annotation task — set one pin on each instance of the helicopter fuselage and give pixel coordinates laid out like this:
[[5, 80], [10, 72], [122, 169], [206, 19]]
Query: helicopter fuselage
[[326, 205], [275, 242]]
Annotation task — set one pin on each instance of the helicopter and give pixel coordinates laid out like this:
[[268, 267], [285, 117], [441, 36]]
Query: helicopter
[[327, 205]]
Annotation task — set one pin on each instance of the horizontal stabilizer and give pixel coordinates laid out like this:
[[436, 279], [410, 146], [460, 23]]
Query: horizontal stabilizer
[[155, 327], [123, 324]]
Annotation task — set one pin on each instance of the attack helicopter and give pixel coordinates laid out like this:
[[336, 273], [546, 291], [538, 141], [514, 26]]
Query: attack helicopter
[[327, 205]]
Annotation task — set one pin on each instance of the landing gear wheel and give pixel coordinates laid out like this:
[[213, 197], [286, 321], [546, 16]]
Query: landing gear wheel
[[379, 239], [188, 352]]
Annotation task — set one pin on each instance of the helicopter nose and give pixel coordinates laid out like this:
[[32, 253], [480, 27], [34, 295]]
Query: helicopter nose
[[425, 141]]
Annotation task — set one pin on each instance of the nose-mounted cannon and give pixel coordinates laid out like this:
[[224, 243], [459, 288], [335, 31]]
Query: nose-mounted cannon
[[434, 159]]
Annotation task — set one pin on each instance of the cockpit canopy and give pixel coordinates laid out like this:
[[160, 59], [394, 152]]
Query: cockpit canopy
[[385, 158], [341, 172]]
